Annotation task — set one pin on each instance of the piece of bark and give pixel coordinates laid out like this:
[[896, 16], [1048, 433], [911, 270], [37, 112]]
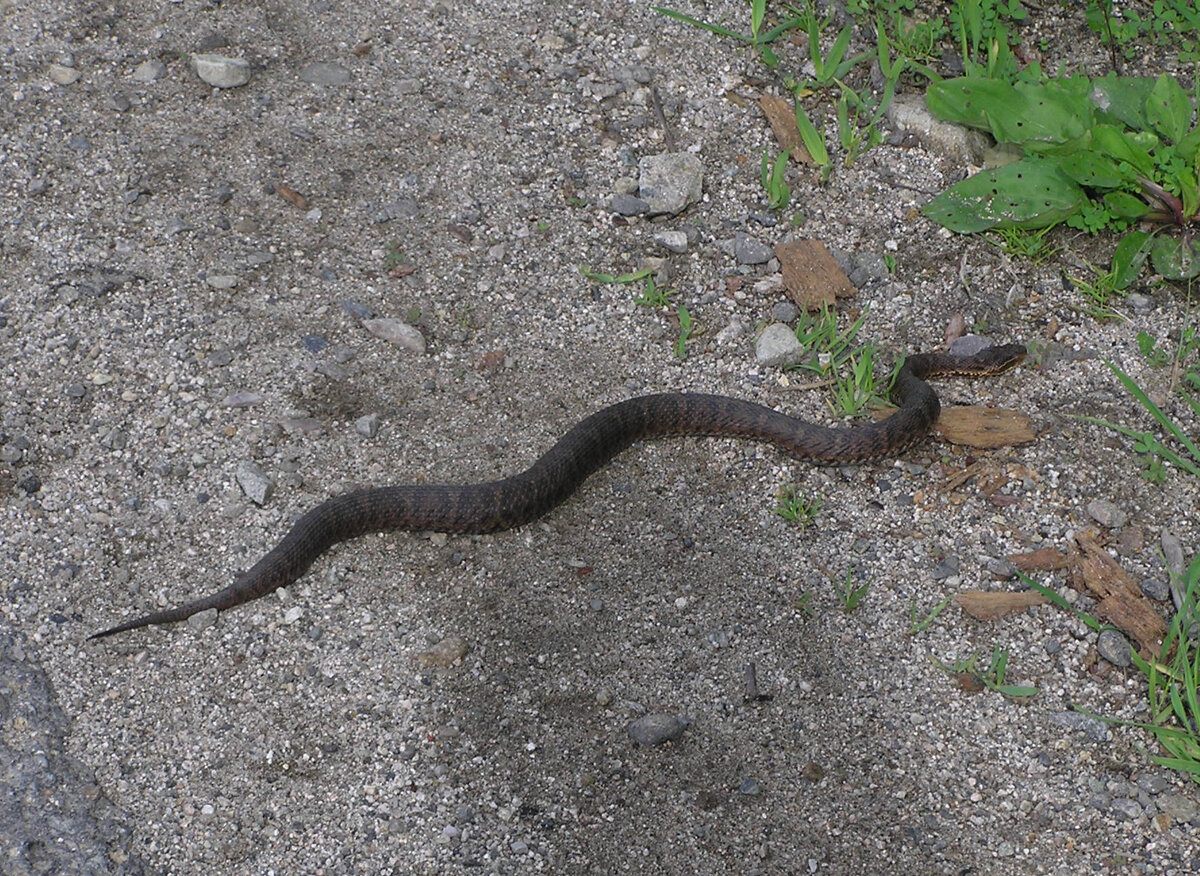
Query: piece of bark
[[1045, 559], [811, 276], [291, 196], [984, 427], [781, 116], [986, 605], [1121, 602]]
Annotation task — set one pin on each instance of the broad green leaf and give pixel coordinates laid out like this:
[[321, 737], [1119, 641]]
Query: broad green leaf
[[1117, 144], [1174, 259], [1031, 193], [966, 99], [1096, 170], [1048, 113], [1187, 147], [1168, 109], [1123, 99], [1126, 205], [1129, 256]]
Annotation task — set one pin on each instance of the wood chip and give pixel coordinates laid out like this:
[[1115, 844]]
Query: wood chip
[[986, 605], [1121, 602], [291, 195], [1045, 559], [811, 276], [984, 427], [781, 115]]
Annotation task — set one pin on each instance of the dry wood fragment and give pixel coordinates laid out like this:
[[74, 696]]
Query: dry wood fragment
[[811, 276], [1045, 559], [985, 427], [986, 605], [1121, 602], [292, 196], [782, 118]]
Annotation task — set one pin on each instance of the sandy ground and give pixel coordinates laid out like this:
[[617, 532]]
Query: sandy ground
[[168, 314]]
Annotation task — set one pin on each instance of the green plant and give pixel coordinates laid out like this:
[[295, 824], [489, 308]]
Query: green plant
[[992, 677], [1100, 154], [857, 388], [850, 595], [833, 67], [686, 330], [393, 255], [758, 39], [1099, 292], [1172, 679], [774, 180], [619, 279], [1184, 455], [983, 38], [1019, 243], [803, 603], [1172, 23], [794, 508], [1151, 351], [917, 624], [654, 295], [819, 333], [814, 141]]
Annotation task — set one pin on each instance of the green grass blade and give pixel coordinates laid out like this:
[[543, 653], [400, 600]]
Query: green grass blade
[[695, 22], [1146, 402]]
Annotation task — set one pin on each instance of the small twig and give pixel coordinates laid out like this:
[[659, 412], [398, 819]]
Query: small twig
[[668, 137], [751, 680]]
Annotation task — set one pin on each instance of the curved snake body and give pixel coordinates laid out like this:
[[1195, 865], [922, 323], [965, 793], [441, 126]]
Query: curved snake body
[[523, 497]]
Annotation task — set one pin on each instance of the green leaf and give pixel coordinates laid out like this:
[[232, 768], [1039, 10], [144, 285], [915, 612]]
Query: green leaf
[[1175, 260], [1129, 256], [1126, 205], [1032, 193], [1123, 99], [814, 140], [1123, 147], [1168, 109], [1096, 170], [966, 100]]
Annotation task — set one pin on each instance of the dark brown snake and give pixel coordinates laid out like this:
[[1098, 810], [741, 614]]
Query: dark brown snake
[[516, 500]]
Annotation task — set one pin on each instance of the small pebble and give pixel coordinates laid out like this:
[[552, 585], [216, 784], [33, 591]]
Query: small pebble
[[749, 250], [220, 71], [656, 728], [254, 483], [368, 425], [1114, 648], [1106, 513], [397, 332], [777, 347], [670, 182], [324, 73]]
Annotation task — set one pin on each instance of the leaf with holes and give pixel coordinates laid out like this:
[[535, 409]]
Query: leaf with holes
[[1041, 117], [1031, 193], [1175, 259]]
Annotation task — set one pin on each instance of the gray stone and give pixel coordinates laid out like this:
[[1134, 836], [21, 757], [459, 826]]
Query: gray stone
[[656, 728], [149, 71], [749, 250], [324, 73], [1128, 809], [220, 71], [222, 281], [254, 483], [908, 113], [777, 347], [367, 426], [784, 311], [627, 205], [61, 75], [1095, 730], [1155, 588], [1181, 807], [672, 241], [670, 182], [1106, 513], [243, 399], [397, 332], [1114, 648]]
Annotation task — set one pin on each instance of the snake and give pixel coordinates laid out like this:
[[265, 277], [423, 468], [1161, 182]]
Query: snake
[[523, 497]]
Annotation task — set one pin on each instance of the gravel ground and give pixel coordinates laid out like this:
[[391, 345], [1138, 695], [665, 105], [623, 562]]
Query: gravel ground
[[186, 277]]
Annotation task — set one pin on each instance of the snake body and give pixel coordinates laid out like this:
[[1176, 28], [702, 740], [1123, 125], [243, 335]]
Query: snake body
[[524, 497]]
